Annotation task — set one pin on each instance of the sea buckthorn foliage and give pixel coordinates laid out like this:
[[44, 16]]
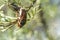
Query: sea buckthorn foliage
[[41, 16]]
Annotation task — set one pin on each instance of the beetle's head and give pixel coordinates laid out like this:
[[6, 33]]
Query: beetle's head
[[15, 7]]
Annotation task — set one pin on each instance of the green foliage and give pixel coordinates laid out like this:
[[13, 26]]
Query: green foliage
[[28, 31]]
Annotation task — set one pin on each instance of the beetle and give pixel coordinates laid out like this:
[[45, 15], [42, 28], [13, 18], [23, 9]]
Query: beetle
[[21, 14]]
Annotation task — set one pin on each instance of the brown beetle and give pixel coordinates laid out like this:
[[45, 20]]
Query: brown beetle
[[21, 14]]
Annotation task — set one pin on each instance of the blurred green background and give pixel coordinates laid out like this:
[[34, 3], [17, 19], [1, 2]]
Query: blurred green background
[[43, 23]]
